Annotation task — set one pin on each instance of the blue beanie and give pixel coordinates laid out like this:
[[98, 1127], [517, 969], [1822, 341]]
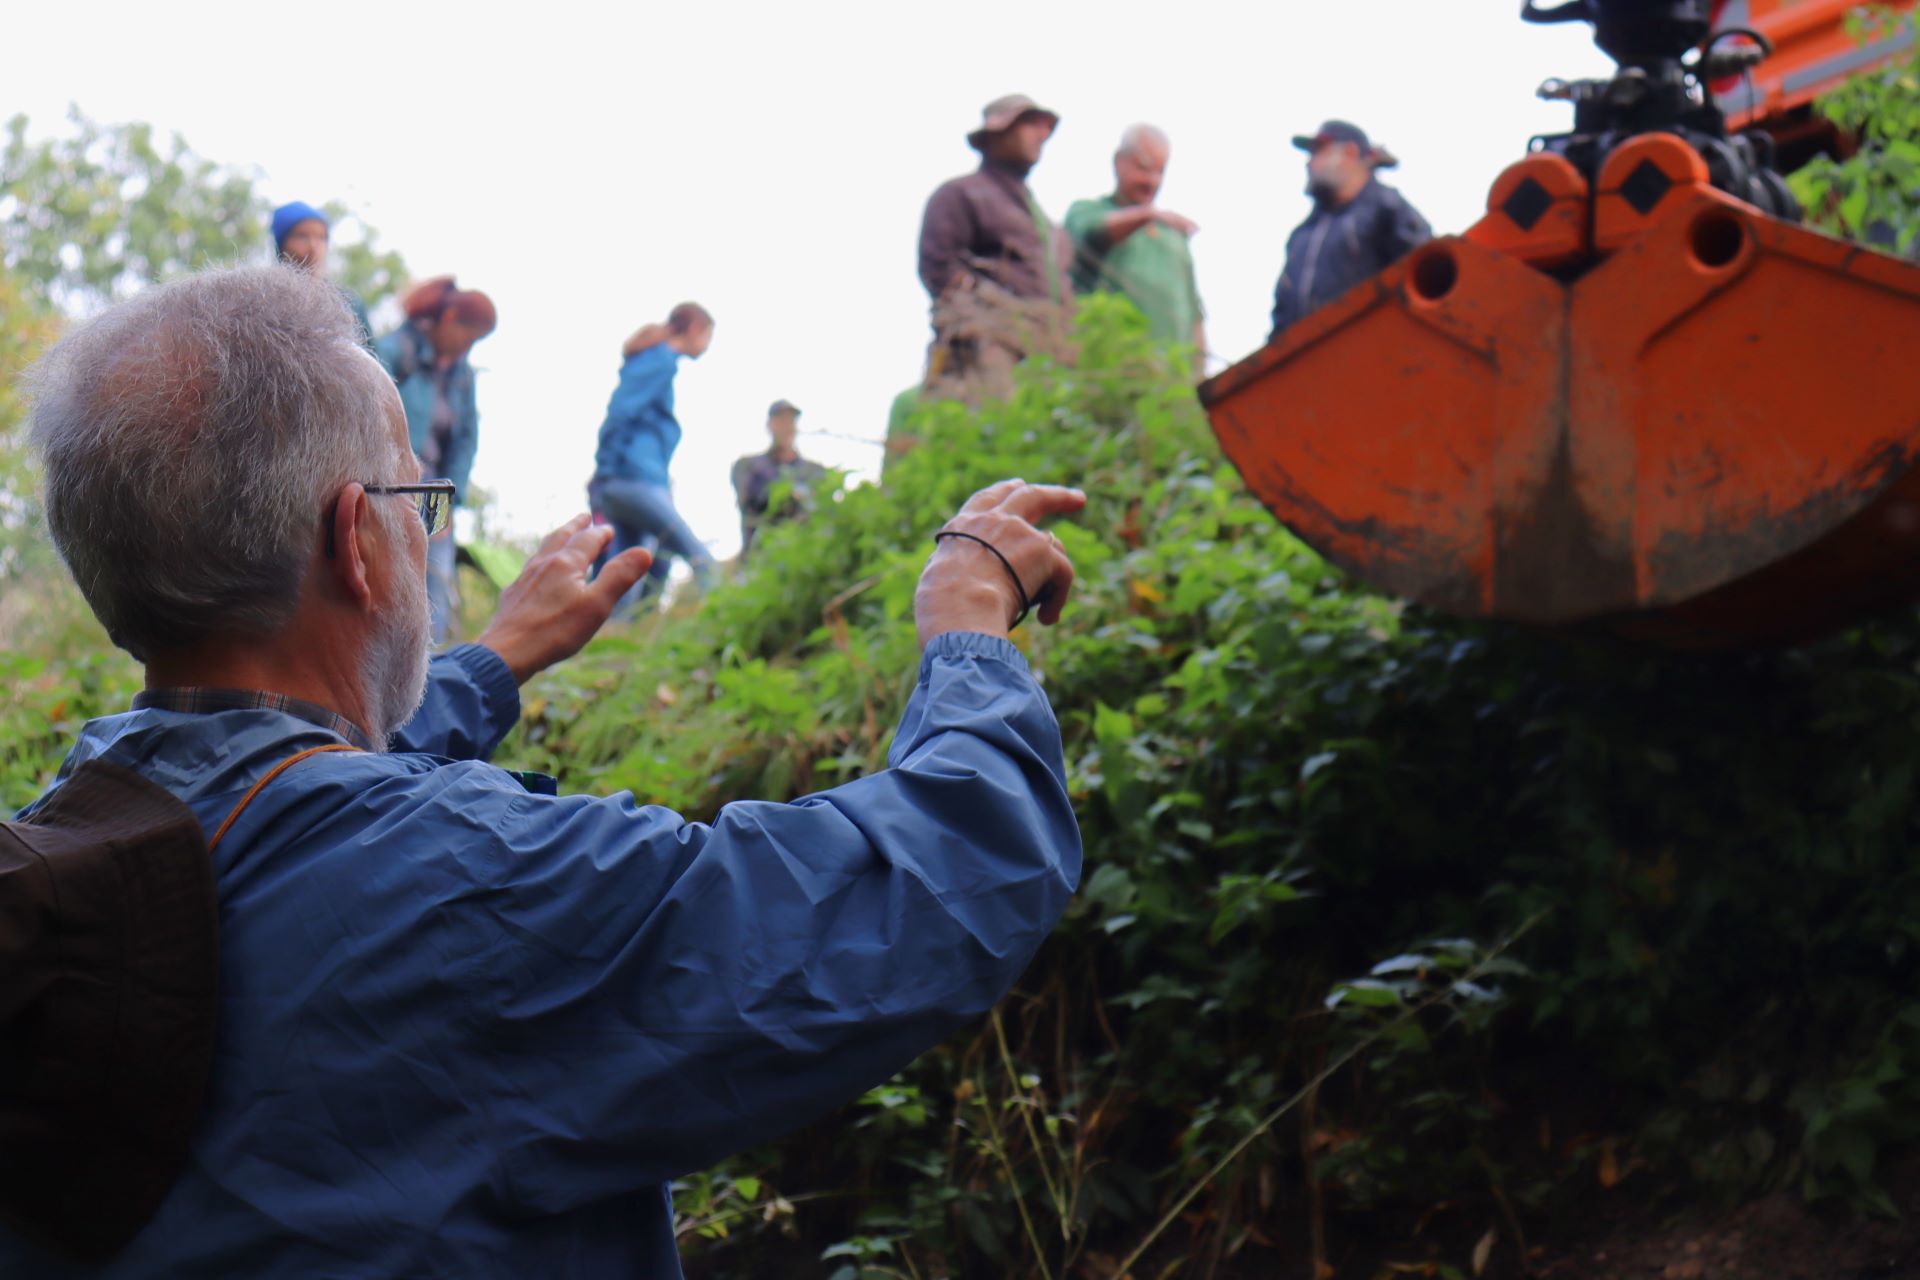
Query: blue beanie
[[289, 216]]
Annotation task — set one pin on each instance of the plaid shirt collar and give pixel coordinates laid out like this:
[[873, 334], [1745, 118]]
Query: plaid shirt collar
[[202, 701]]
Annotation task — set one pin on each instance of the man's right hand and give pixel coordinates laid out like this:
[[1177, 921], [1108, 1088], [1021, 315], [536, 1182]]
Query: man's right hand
[[552, 608], [966, 588]]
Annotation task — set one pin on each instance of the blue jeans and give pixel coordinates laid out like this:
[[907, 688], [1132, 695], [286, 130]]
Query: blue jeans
[[643, 515], [442, 595]]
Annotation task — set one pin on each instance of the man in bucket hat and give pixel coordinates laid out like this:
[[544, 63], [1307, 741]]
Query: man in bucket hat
[[992, 261], [1359, 226]]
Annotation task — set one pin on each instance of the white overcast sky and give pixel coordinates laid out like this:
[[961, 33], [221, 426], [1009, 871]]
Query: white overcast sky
[[591, 165]]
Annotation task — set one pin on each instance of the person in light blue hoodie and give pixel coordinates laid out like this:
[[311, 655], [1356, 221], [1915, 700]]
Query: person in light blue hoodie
[[631, 486]]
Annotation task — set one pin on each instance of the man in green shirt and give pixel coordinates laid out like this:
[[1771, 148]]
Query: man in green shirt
[[1127, 244]]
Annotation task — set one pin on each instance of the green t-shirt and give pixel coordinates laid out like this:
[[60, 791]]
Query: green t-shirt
[[1153, 266]]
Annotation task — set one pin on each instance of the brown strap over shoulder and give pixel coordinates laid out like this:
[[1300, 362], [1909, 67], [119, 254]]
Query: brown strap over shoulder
[[265, 778]]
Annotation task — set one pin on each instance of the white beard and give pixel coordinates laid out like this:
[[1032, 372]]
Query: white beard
[[393, 668]]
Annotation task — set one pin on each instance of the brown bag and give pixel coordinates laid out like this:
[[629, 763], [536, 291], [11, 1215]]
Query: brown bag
[[109, 1000], [109, 976]]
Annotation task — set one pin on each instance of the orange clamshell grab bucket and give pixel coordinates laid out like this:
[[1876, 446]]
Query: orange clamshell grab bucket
[[1707, 438]]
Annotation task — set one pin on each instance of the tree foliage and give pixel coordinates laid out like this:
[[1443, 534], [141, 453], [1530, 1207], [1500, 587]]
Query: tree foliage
[[1874, 193], [91, 213]]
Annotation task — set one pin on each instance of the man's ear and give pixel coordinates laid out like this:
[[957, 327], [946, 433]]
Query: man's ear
[[352, 522]]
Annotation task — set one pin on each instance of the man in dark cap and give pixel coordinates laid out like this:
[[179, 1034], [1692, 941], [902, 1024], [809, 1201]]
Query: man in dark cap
[[992, 261], [1359, 226], [755, 476]]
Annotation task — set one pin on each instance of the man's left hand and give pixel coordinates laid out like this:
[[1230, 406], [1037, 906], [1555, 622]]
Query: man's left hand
[[551, 609]]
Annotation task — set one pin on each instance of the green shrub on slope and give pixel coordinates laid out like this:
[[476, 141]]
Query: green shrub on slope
[[1281, 779]]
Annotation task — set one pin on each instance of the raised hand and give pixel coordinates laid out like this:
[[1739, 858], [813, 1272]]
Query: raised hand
[[551, 609], [967, 587]]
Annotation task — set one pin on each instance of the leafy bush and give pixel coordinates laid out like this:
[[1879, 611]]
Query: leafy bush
[[1281, 779], [1874, 193]]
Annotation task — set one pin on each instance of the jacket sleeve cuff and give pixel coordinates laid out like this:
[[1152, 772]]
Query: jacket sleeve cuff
[[969, 644], [499, 691]]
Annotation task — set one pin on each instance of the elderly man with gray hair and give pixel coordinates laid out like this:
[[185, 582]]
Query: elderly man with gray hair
[[1126, 243], [466, 1026]]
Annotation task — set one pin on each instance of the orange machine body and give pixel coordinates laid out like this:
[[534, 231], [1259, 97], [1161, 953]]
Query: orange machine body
[[1812, 51], [1639, 403]]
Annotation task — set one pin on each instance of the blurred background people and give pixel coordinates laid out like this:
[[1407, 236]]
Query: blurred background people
[[1359, 225], [755, 476], [302, 235], [992, 262], [428, 360], [1126, 243], [631, 485]]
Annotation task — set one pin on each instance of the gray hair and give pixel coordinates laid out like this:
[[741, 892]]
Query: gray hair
[[192, 437], [1139, 135]]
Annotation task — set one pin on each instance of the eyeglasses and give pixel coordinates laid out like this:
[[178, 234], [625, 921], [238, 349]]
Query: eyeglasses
[[435, 504], [434, 501]]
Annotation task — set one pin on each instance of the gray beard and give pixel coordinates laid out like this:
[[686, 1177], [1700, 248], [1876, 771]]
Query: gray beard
[[393, 668]]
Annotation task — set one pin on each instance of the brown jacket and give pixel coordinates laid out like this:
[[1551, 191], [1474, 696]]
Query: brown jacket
[[983, 225]]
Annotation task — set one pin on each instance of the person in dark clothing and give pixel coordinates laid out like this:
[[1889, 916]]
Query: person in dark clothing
[[1359, 226], [755, 476], [987, 224], [993, 263]]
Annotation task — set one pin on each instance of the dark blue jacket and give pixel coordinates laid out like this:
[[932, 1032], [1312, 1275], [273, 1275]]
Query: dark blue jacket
[[472, 1031], [640, 433], [1337, 248]]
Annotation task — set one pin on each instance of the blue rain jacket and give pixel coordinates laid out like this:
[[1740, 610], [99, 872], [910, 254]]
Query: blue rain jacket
[[640, 433], [472, 1031]]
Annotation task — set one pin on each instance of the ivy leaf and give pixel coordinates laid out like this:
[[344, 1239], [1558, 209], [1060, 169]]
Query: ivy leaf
[[1366, 993]]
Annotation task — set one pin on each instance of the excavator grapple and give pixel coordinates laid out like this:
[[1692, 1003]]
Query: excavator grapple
[[1636, 394]]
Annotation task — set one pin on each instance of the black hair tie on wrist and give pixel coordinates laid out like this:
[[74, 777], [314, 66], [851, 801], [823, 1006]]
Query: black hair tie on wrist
[[1026, 601]]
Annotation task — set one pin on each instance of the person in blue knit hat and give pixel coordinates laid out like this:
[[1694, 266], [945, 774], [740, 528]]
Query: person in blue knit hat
[[301, 237]]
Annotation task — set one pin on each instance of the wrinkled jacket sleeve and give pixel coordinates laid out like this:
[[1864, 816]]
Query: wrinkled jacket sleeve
[[946, 238], [659, 993], [471, 703]]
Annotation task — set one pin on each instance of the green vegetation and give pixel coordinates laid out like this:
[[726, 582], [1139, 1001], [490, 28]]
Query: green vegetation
[[1306, 810], [1874, 194], [1282, 1012], [91, 213]]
